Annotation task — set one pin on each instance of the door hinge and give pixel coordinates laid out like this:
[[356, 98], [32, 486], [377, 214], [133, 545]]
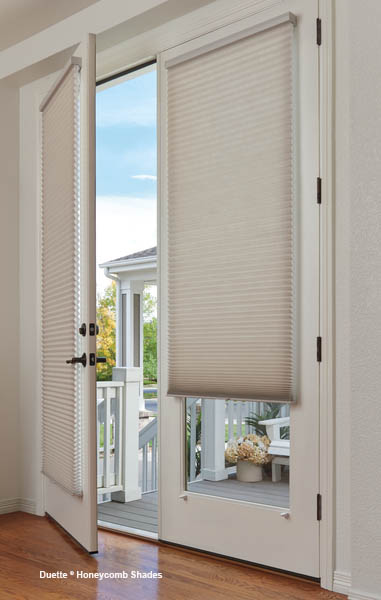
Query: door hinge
[[318, 507], [318, 31], [318, 348], [318, 190]]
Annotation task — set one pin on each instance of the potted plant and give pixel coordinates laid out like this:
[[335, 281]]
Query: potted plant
[[249, 453]]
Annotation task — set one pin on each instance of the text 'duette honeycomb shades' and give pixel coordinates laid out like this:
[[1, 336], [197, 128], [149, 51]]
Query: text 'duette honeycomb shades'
[[231, 250]]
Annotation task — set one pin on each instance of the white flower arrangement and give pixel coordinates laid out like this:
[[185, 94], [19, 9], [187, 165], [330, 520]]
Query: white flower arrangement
[[252, 448]]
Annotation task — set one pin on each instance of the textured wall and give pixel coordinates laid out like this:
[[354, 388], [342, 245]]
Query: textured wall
[[365, 292], [9, 290], [342, 242]]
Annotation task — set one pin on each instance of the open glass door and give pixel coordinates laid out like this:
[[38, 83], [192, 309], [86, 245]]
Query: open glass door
[[239, 291], [68, 298]]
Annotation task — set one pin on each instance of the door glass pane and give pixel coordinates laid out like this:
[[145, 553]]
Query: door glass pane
[[238, 450]]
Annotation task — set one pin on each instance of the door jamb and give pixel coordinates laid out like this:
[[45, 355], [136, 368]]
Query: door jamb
[[327, 297]]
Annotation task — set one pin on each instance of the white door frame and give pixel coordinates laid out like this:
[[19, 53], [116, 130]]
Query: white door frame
[[327, 298]]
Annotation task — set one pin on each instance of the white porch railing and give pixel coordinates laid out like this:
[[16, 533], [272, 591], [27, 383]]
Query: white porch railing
[[148, 448], [109, 436], [126, 457]]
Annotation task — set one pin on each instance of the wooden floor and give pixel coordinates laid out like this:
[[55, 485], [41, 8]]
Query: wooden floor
[[261, 492], [30, 544], [140, 514]]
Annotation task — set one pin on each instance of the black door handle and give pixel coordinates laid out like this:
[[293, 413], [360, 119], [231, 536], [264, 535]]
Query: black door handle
[[101, 359], [78, 359]]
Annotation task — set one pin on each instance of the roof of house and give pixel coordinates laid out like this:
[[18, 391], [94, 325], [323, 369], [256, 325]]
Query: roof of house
[[142, 254]]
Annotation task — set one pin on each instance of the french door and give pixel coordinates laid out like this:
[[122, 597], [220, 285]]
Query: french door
[[68, 296], [272, 522]]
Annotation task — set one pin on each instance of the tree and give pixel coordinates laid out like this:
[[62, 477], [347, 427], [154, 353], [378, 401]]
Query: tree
[[150, 350], [106, 339], [149, 337]]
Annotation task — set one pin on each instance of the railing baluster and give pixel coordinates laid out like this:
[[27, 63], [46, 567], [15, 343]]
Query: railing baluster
[[230, 404], [99, 475], [245, 415], [156, 465], [239, 419], [106, 437], [118, 439], [192, 445], [144, 482], [153, 463], [202, 434]]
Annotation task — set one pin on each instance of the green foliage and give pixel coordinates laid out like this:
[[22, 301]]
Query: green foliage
[[149, 305], [272, 412], [106, 344], [106, 339], [150, 350], [150, 337]]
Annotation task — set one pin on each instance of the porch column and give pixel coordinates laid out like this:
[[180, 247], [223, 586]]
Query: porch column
[[213, 440], [131, 327], [130, 434]]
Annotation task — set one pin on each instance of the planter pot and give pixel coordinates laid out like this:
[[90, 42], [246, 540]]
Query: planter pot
[[247, 471]]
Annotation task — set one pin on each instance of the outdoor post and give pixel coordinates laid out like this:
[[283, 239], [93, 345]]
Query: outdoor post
[[130, 433], [132, 324], [213, 440]]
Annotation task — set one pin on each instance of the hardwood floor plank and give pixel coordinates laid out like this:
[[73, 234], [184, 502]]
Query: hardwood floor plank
[[29, 544]]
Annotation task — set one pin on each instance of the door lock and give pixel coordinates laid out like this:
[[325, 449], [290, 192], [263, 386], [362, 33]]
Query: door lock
[[78, 359], [96, 359]]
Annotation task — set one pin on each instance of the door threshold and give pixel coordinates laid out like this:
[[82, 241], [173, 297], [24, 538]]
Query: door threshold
[[140, 533]]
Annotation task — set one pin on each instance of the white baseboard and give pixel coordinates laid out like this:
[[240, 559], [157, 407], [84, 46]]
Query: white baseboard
[[341, 582], [9, 506], [28, 506], [17, 504], [355, 595]]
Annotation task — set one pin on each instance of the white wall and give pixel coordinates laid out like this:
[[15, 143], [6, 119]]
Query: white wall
[[358, 295], [342, 219], [9, 296], [364, 201]]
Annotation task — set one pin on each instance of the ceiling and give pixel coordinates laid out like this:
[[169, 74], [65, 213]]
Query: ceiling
[[19, 19]]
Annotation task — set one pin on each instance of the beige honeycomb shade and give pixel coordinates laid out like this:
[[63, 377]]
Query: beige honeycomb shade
[[61, 414], [231, 325]]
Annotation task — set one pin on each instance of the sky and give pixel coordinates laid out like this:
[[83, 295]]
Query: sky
[[126, 169]]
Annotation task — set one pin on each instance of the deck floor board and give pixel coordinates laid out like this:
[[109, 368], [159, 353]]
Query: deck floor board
[[142, 514], [139, 514]]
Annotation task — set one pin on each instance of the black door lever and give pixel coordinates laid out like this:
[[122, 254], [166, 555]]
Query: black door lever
[[78, 359]]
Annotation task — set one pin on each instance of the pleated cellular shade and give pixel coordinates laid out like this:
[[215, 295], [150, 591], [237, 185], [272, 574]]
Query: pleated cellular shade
[[61, 414], [231, 251]]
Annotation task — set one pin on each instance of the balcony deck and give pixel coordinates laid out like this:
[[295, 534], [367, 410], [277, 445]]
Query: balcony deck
[[141, 514], [262, 492]]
